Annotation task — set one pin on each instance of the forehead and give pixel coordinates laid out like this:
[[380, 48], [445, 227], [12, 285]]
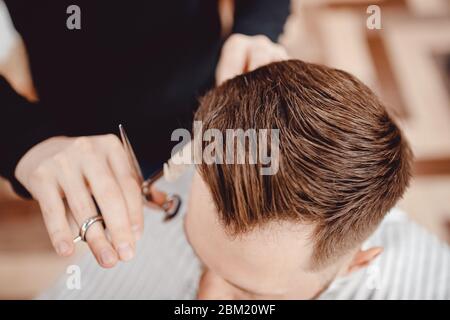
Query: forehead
[[272, 255]]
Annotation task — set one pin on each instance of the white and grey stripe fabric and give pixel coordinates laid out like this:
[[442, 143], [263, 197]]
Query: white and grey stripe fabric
[[414, 265]]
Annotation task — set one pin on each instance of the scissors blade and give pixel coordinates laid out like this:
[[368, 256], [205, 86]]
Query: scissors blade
[[131, 155]]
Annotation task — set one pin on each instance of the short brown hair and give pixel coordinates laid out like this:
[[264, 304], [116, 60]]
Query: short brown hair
[[343, 161]]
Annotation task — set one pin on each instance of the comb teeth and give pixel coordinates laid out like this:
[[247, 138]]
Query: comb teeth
[[178, 163]]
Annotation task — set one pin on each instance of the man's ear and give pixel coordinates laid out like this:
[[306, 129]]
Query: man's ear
[[362, 258]]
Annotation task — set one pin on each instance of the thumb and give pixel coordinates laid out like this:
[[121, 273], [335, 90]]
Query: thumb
[[232, 62]]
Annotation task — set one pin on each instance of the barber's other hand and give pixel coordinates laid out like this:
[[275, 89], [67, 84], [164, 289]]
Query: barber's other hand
[[76, 169], [241, 53]]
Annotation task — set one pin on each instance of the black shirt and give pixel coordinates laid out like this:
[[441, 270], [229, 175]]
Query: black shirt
[[140, 63]]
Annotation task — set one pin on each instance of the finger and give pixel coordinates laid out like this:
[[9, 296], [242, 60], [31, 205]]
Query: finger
[[54, 213], [232, 61], [121, 167], [284, 55], [158, 197], [280, 54], [83, 207], [258, 56], [112, 204]]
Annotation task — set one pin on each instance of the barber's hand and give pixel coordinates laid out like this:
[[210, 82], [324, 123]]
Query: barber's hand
[[241, 53], [75, 169]]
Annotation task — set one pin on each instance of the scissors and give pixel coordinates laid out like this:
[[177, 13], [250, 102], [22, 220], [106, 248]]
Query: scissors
[[170, 206]]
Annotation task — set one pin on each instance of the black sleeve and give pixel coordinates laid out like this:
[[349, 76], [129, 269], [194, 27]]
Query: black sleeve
[[23, 124], [265, 17]]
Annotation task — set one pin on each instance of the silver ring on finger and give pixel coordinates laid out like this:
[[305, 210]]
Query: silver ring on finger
[[85, 227]]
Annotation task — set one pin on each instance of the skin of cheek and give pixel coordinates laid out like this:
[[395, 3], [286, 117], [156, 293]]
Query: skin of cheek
[[213, 285], [247, 262]]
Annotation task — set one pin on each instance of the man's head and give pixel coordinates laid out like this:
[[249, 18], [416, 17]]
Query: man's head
[[343, 163]]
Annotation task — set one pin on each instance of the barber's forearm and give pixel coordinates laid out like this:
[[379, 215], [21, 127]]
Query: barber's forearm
[[266, 17], [22, 126]]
